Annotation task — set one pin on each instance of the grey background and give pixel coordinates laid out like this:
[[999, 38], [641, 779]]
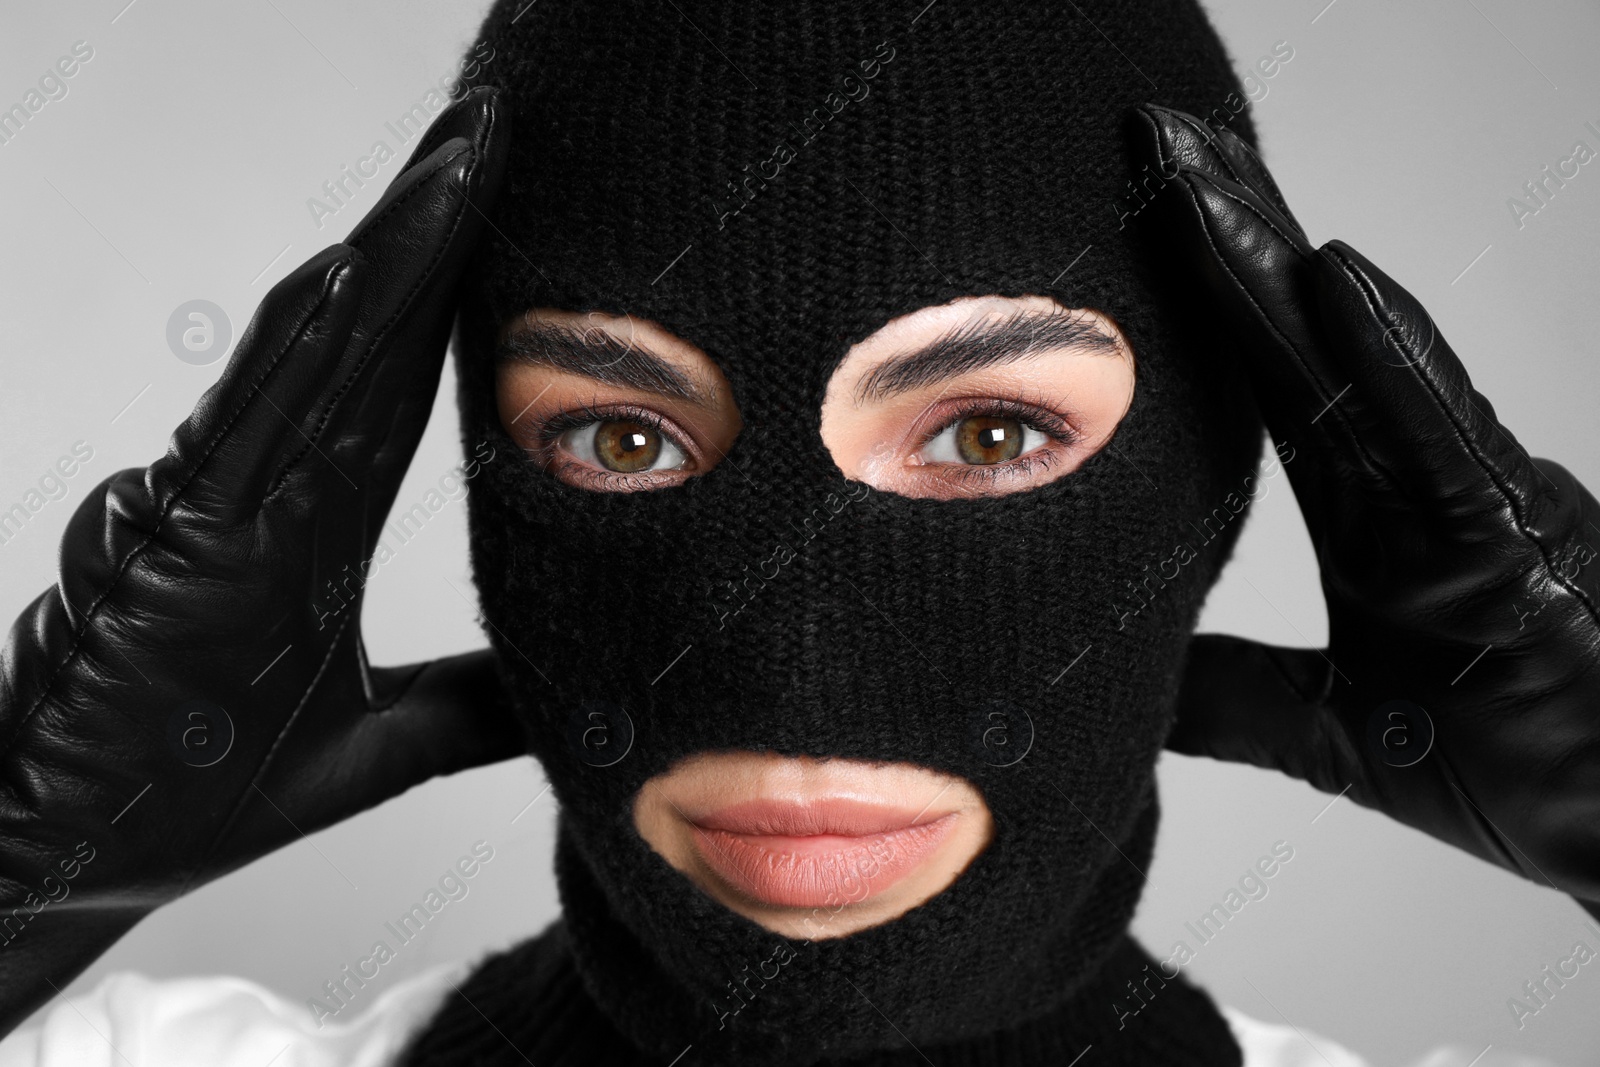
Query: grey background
[[178, 166]]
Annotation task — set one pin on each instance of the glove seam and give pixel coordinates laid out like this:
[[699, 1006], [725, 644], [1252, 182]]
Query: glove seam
[[267, 759], [1261, 177], [383, 331], [1305, 368], [1213, 140], [178, 496], [1368, 293], [1571, 585], [432, 138], [1508, 848]]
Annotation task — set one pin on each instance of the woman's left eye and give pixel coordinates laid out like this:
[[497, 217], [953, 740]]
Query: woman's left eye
[[623, 446], [982, 440]]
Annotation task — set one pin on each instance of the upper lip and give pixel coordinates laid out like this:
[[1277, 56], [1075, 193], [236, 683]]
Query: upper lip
[[837, 816]]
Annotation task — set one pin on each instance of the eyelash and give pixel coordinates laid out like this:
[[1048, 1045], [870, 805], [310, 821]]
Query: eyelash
[[1036, 416], [1031, 415], [584, 414], [550, 431]]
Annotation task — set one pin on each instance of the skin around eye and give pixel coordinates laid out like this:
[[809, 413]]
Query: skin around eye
[[1004, 425], [612, 450], [603, 435]]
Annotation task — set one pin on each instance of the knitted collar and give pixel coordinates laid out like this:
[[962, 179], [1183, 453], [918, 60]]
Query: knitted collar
[[529, 1005]]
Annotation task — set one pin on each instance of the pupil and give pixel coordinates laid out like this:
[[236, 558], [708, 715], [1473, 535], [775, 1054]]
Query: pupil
[[626, 446], [987, 439]]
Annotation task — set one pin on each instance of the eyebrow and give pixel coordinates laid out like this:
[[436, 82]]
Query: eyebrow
[[974, 346], [598, 355]]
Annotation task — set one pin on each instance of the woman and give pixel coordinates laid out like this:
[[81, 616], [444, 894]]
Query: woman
[[847, 592]]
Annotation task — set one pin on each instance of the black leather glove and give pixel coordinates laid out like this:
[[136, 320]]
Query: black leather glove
[[202, 583], [1460, 689]]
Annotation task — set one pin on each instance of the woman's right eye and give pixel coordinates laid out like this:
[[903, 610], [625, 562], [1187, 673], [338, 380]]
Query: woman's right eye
[[983, 440], [623, 446]]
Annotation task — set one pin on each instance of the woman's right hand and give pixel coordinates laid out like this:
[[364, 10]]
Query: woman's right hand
[[1460, 691], [190, 696]]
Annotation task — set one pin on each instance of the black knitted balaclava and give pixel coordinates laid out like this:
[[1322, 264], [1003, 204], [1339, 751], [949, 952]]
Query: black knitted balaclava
[[773, 182]]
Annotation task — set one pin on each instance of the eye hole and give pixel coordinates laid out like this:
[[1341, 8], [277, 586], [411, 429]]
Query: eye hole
[[982, 396], [982, 440], [622, 445]]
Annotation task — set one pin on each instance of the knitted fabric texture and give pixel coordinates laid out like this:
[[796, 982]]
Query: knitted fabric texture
[[773, 183], [528, 1005]]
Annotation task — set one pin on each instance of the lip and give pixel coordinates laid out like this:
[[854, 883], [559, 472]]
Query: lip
[[824, 853]]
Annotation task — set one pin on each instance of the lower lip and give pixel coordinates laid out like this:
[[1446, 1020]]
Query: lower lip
[[819, 870]]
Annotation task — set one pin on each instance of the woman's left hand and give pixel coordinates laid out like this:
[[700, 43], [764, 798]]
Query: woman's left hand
[[1460, 689]]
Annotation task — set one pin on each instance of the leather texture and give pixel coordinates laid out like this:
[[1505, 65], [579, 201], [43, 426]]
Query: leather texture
[[206, 577], [1459, 573]]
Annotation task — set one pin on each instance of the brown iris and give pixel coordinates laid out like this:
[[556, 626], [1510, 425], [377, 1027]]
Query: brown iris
[[626, 446], [988, 439]]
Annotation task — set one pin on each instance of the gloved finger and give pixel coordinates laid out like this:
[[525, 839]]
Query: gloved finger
[[470, 118], [465, 119], [1261, 268], [294, 363], [1254, 269], [1247, 702], [1274, 708], [425, 720], [418, 244], [1566, 525], [1247, 168], [401, 241], [223, 456], [1182, 140], [1407, 398], [449, 715], [1173, 139], [1412, 403]]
